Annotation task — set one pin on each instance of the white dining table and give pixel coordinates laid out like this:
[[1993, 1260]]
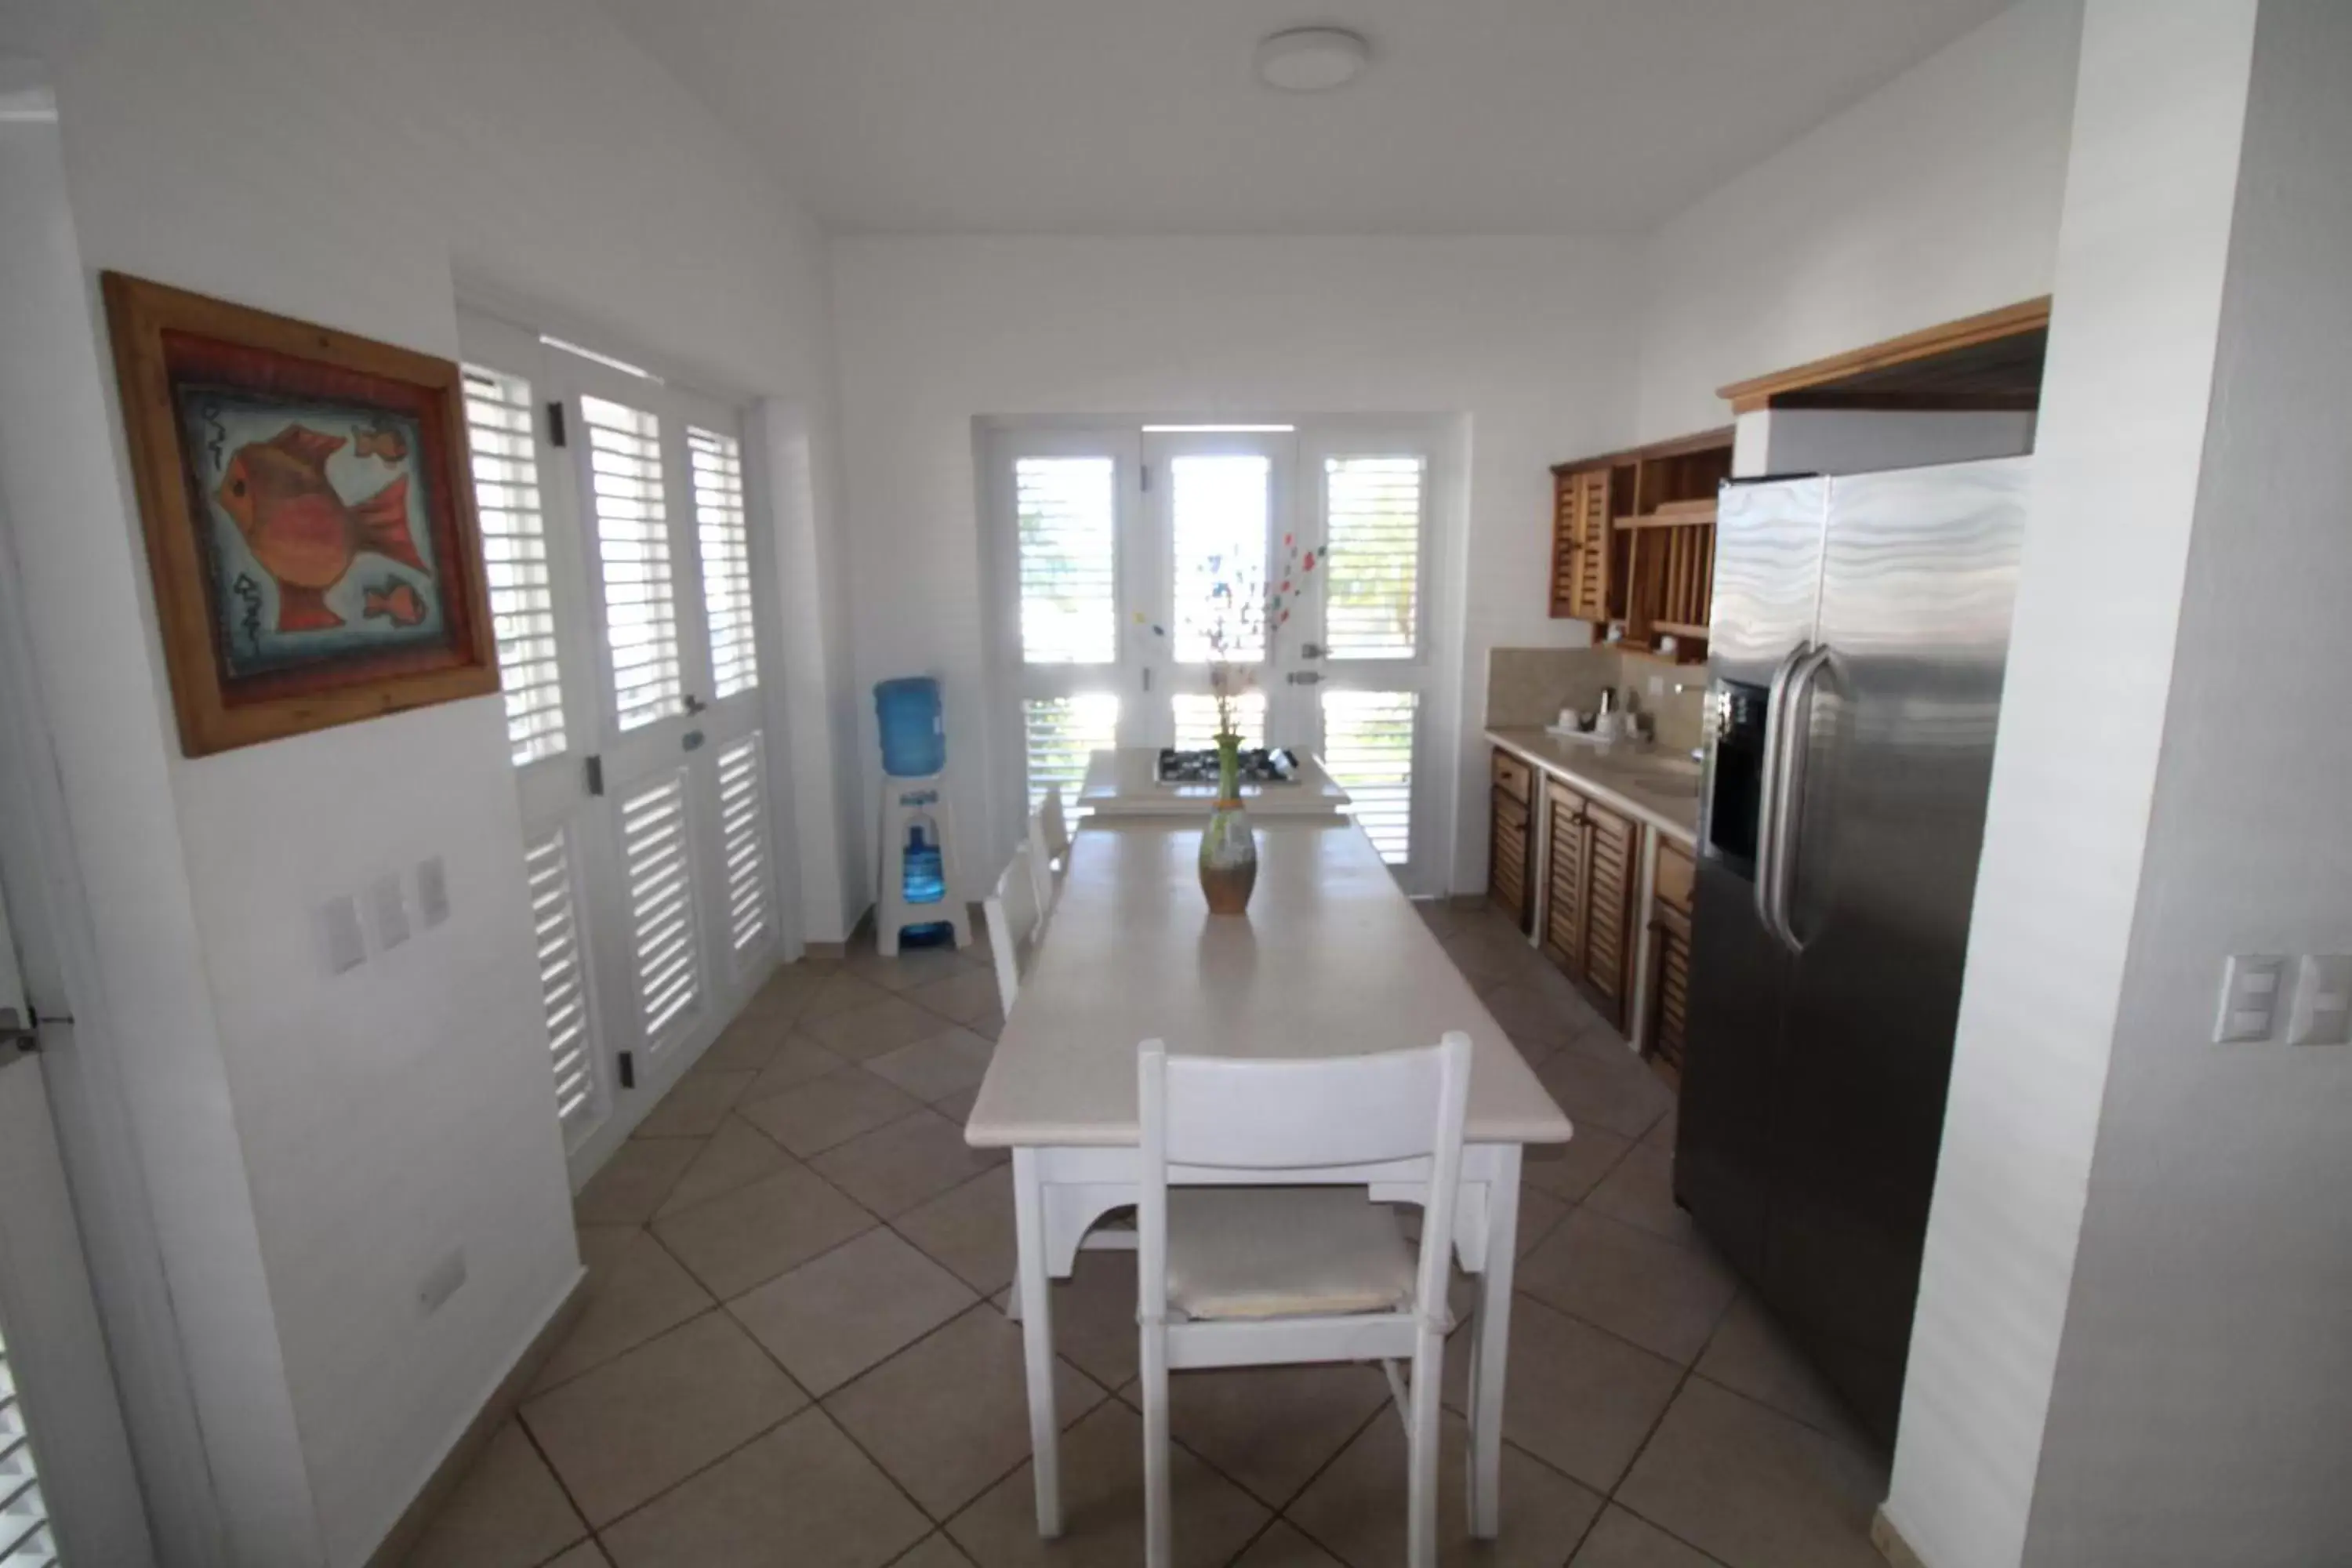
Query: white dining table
[[1331, 960]]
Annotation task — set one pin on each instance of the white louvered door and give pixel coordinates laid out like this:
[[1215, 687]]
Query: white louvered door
[[634, 711]]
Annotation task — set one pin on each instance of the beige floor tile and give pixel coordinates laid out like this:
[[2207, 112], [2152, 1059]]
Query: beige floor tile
[[966, 995], [801, 1497], [1482, 956], [1357, 1508], [933, 1069], [956, 1107], [989, 1026], [508, 1512], [1664, 1296], [788, 992], [1579, 1399], [968, 1230], [1270, 1428], [1539, 1213], [869, 1031], [1572, 1170], [635, 1180], [1661, 1136], [839, 992], [755, 1233], [587, 1555], [839, 1313], [636, 1290], [637, 1425], [935, 1551], [1626, 1541], [735, 1156], [1102, 1506], [695, 1105], [1619, 1095], [950, 1415], [1750, 1355], [1640, 1192], [909, 968], [1536, 1020], [797, 1061], [1094, 1317], [1754, 1488], [747, 1045], [825, 1111], [906, 1163], [1284, 1547]]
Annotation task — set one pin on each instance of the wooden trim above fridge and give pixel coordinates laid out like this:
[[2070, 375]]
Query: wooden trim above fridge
[[1764, 390]]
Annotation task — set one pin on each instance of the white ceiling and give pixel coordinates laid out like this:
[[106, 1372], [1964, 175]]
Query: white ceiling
[[1142, 116]]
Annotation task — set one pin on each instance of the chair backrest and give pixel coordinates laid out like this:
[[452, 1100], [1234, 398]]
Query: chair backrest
[[1011, 913], [1052, 829], [1047, 886], [1261, 1116]]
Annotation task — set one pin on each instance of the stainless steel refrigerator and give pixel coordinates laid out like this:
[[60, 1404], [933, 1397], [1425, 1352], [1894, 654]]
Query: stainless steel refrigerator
[[1860, 626]]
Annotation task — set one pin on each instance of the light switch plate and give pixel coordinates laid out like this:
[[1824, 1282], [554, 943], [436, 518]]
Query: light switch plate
[[2250, 998], [2322, 1015], [432, 891], [389, 905], [338, 924]]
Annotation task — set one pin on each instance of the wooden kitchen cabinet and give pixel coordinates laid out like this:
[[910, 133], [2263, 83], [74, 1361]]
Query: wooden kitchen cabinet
[[1507, 885], [1670, 955], [1633, 541], [1580, 545], [1591, 866]]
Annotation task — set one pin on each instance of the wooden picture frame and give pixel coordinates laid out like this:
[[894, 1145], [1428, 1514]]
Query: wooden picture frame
[[328, 573]]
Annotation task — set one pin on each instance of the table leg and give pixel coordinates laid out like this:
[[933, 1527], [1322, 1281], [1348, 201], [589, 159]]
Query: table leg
[[1490, 1351], [1034, 1294]]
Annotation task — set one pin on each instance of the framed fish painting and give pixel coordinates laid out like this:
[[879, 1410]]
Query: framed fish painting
[[310, 528]]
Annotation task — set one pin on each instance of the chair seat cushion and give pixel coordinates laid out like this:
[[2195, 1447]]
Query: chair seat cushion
[[1284, 1252]]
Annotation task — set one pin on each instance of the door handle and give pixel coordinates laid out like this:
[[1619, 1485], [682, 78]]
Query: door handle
[[1310, 650], [1788, 798], [1776, 706], [1306, 677]]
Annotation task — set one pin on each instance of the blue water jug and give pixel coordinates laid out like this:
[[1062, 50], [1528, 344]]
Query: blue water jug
[[927, 882], [914, 736]]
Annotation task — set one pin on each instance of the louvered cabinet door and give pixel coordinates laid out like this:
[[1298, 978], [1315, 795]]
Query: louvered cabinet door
[[1612, 845], [1507, 860], [1671, 1010], [1565, 875], [1589, 598]]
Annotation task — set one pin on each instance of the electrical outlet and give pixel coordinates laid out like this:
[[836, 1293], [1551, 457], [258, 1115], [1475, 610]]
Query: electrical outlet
[[2322, 1015], [339, 925], [432, 891], [2250, 998], [442, 1283], [389, 905]]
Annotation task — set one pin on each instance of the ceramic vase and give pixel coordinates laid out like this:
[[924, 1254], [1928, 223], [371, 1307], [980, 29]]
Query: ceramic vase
[[1228, 848]]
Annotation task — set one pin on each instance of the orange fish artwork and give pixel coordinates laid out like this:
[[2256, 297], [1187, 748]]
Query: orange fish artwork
[[397, 600], [387, 443], [304, 534]]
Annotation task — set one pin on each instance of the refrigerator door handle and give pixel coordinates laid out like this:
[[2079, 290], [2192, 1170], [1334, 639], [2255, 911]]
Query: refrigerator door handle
[[1788, 795], [1768, 853]]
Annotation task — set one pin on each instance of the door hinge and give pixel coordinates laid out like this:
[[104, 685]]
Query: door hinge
[[24, 1035], [595, 775], [628, 1063], [555, 424], [1143, 476], [1147, 678]]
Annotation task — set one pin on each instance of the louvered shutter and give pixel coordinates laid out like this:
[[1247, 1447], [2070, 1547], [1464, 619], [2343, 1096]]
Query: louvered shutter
[[743, 842], [1372, 529], [1196, 719], [1064, 733], [726, 560], [634, 555], [498, 424], [1218, 522], [553, 883], [657, 873], [23, 1517], [1368, 744], [1066, 527]]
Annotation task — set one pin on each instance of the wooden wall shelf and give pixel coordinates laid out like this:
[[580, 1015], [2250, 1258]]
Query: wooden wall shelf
[[1633, 540]]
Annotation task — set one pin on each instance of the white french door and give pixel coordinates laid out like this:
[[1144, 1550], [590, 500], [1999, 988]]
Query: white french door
[[620, 553], [1124, 550]]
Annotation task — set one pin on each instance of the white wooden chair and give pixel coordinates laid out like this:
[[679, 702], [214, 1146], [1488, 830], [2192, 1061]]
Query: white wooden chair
[[1248, 1274], [1049, 835], [1014, 916]]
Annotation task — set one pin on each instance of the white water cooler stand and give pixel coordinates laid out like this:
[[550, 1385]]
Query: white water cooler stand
[[903, 800]]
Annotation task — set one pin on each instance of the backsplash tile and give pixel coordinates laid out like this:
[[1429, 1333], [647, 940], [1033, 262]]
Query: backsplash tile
[[1527, 687]]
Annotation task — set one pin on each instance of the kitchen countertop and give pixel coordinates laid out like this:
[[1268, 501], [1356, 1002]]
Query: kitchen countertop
[[1655, 785]]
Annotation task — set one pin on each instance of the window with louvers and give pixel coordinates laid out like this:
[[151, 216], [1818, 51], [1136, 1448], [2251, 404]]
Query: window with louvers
[[1065, 523], [633, 552], [499, 429], [563, 977], [23, 1517], [1372, 523], [1367, 741], [726, 560], [1219, 519], [1196, 719], [1064, 733], [743, 841], [657, 868]]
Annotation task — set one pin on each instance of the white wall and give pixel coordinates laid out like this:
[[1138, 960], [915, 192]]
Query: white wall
[[340, 162], [1934, 197], [2083, 728], [1529, 338]]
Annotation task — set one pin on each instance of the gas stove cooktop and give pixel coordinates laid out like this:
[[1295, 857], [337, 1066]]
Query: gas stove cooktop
[[1258, 766]]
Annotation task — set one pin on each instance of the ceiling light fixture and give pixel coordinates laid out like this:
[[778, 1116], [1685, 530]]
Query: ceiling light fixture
[[1312, 59]]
